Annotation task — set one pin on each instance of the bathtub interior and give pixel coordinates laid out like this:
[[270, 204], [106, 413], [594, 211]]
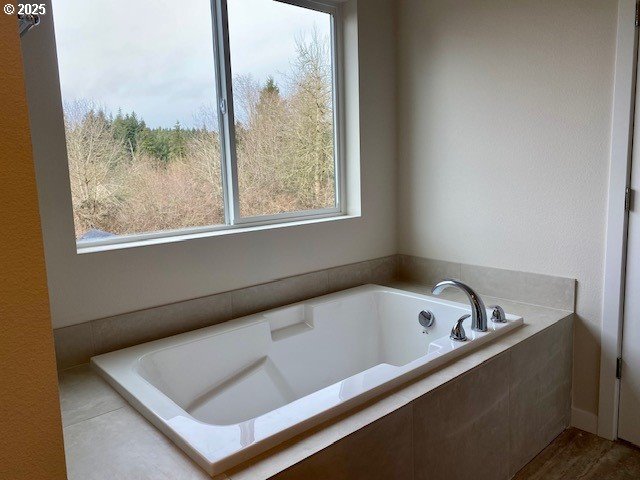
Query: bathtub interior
[[282, 355]]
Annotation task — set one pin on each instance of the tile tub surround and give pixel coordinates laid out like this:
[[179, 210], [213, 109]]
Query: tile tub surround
[[308, 362], [533, 288], [77, 343], [390, 437]]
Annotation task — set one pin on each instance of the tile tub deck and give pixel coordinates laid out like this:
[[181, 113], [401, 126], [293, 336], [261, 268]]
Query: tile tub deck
[[105, 438]]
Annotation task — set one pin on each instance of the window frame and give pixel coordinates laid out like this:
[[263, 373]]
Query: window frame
[[226, 120]]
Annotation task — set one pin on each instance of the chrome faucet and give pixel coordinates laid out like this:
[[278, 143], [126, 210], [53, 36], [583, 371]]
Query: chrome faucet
[[478, 311]]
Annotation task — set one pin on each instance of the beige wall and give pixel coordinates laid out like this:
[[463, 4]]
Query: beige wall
[[90, 286], [504, 132], [30, 430]]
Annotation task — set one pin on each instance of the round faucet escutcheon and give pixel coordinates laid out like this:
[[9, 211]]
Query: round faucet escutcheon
[[426, 319]]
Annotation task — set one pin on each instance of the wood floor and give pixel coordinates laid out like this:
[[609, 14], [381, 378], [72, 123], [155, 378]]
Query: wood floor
[[579, 455]]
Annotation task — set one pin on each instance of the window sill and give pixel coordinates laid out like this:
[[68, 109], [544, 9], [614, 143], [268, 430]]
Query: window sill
[[213, 232]]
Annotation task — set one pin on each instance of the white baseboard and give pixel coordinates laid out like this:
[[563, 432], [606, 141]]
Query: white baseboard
[[584, 420]]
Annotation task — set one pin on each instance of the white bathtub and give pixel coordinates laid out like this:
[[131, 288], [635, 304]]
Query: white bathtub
[[228, 392]]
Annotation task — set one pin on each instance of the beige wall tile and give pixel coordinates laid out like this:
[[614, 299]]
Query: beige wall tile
[[379, 451], [348, 276], [384, 270], [540, 391], [122, 331], [461, 430], [545, 290], [74, 345], [280, 292], [534, 288], [427, 270], [380, 271]]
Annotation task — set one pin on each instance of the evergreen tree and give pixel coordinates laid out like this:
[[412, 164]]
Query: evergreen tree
[[156, 143], [128, 129], [271, 87], [177, 141]]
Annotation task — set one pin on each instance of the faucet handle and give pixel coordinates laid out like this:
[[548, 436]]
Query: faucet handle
[[457, 332], [498, 315]]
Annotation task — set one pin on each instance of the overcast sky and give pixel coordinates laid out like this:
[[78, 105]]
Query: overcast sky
[[155, 57]]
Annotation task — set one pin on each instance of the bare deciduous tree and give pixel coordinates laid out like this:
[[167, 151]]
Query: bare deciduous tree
[[171, 178], [96, 169]]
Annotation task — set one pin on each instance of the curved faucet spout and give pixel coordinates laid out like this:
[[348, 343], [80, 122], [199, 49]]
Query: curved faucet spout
[[478, 311]]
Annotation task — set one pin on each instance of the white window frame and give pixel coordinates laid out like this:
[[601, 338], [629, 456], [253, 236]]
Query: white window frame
[[224, 92]]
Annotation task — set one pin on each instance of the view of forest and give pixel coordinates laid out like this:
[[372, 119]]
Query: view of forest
[[128, 178]]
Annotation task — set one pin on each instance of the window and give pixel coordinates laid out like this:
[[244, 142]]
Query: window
[[221, 115]]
